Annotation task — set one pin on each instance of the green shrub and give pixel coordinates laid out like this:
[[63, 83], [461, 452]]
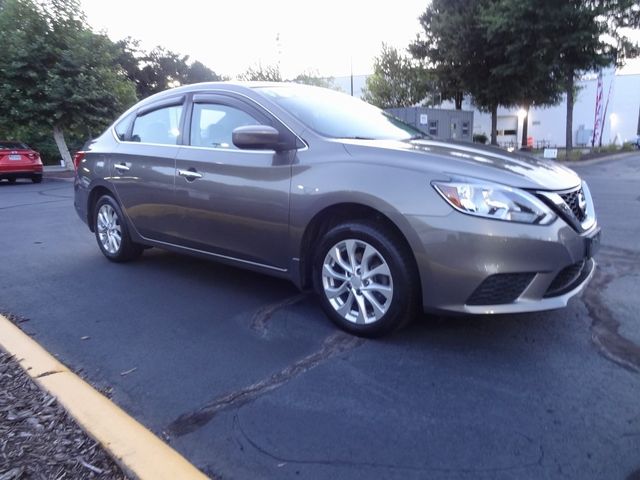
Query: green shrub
[[480, 138]]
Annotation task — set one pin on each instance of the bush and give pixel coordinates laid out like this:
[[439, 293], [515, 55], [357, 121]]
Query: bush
[[480, 138]]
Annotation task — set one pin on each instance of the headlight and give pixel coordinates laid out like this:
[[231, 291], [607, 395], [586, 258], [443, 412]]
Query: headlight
[[495, 201]]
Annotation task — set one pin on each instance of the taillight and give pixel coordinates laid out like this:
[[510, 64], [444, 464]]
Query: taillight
[[77, 158]]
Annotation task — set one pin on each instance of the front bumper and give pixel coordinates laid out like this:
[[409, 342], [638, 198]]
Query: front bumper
[[459, 255]]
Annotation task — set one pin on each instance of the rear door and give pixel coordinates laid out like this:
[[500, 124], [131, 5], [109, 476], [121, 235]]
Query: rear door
[[235, 202], [143, 168]]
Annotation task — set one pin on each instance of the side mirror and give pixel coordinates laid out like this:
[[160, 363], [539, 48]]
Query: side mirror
[[256, 137]]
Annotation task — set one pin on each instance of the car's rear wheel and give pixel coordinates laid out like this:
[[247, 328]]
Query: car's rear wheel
[[11, 180], [112, 233], [366, 279], [36, 179]]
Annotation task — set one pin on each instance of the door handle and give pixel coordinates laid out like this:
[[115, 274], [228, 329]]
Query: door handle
[[189, 174], [121, 167]]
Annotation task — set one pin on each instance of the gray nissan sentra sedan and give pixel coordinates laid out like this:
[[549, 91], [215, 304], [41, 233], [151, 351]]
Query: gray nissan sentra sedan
[[320, 188]]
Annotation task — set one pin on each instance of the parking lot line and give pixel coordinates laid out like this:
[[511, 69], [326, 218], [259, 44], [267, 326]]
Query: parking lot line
[[137, 450]]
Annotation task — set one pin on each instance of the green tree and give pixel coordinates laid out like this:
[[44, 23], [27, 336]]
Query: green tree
[[259, 73], [449, 30], [397, 80], [314, 78], [521, 30], [159, 69], [55, 73], [523, 52], [588, 35], [456, 45]]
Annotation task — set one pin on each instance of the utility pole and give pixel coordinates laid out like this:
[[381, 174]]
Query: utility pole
[[352, 76]]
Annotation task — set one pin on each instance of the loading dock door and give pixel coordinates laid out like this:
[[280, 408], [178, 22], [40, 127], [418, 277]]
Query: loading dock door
[[508, 129]]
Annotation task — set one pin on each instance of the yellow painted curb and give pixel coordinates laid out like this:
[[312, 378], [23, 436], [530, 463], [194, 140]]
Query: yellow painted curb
[[138, 451]]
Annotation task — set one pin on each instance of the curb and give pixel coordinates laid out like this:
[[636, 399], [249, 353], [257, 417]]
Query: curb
[[137, 450], [595, 161]]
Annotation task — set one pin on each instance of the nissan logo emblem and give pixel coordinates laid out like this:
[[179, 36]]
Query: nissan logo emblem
[[582, 202]]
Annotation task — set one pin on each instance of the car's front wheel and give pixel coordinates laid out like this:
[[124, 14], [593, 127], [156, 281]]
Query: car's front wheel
[[112, 233], [366, 279]]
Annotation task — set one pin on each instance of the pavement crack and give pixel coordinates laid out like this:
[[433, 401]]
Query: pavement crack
[[45, 193], [31, 204], [605, 327], [333, 345], [260, 320], [382, 465]]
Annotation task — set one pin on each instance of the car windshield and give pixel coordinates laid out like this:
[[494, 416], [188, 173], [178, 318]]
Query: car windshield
[[337, 115], [13, 146]]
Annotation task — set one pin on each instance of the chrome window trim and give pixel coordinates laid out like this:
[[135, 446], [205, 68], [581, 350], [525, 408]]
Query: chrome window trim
[[218, 91], [229, 150]]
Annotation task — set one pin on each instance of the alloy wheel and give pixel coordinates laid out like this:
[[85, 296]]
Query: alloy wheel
[[357, 281], [109, 231]]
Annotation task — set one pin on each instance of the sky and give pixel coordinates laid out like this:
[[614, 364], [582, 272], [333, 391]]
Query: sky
[[323, 36]]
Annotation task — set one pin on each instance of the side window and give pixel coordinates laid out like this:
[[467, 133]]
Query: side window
[[158, 126], [213, 124], [122, 127]]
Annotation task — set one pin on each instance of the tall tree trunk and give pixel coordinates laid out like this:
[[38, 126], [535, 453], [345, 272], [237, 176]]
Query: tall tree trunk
[[58, 136], [458, 99], [570, 101], [525, 128], [494, 125]]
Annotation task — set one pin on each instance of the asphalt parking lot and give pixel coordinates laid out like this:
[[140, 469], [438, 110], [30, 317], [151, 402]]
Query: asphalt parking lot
[[244, 375]]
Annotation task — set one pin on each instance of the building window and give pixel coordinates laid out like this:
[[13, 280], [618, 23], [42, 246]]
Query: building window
[[465, 129], [433, 127]]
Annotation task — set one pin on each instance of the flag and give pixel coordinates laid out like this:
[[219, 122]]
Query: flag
[[597, 121]]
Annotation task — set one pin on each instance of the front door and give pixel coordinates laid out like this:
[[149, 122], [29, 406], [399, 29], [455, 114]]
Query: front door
[[234, 203]]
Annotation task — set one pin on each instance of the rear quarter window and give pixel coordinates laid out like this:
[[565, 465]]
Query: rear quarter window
[[122, 127]]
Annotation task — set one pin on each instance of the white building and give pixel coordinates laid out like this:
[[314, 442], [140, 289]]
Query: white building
[[621, 96]]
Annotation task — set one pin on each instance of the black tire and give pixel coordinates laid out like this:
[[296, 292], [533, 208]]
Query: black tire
[[11, 180], [127, 249], [405, 298], [36, 179]]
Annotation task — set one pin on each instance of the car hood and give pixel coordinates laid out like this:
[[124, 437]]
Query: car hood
[[469, 160]]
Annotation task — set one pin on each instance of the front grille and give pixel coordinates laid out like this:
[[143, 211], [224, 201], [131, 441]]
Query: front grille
[[572, 199], [566, 279], [500, 289]]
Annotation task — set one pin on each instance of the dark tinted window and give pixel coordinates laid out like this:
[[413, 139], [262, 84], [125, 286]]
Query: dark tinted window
[[13, 146], [158, 126], [212, 125], [337, 115]]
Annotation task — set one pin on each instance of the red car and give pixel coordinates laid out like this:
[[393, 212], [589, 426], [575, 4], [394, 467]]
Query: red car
[[17, 160]]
